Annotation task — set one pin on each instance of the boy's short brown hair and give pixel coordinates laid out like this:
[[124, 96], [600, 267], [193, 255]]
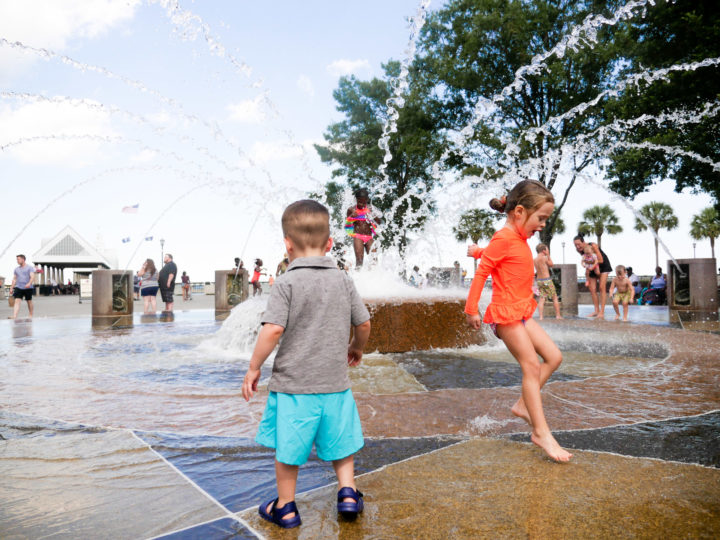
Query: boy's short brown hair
[[540, 248], [619, 268], [307, 224]]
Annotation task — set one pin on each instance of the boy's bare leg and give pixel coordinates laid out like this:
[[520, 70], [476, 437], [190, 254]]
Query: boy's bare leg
[[286, 477], [626, 308], [518, 342], [616, 307], [541, 307], [345, 472], [556, 303]]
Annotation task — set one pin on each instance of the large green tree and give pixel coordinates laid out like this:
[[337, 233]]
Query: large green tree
[[471, 51], [670, 34], [352, 149], [599, 220], [706, 224], [658, 215]]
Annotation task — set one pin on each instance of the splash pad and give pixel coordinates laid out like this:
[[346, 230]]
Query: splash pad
[[142, 432]]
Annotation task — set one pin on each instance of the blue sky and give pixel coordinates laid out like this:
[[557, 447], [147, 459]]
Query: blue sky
[[248, 132]]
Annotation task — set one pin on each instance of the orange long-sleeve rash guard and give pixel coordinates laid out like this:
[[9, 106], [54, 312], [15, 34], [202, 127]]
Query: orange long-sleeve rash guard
[[509, 261]]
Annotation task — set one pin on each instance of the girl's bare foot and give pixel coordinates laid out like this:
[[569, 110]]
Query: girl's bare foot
[[617, 317], [593, 314], [551, 447], [558, 316], [521, 411], [601, 316]]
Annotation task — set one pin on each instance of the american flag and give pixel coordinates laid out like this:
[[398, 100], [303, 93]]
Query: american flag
[[131, 209], [125, 240], [148, 238]]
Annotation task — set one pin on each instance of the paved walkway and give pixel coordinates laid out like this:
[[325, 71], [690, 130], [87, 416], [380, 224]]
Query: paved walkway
[[63, 306]]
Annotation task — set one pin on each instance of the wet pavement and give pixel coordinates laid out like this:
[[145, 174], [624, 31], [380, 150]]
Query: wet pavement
[[133, 433]]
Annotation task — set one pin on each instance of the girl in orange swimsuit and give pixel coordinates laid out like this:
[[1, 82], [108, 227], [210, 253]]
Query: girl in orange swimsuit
[[509, 261]]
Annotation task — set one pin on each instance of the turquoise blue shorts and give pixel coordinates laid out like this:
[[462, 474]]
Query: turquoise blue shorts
[[291, 424]]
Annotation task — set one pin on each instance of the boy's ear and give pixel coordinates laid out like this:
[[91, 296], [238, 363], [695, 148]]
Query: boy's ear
[[289, 247], [328, 247]]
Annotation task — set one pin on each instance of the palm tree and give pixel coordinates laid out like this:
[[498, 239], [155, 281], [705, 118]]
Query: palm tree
[[706, 224], [658, 215], [599, 220], [474, 225]]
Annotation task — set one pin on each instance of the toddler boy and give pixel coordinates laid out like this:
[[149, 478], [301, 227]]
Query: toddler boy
[[624, 292], [546, 287], [312, 306]]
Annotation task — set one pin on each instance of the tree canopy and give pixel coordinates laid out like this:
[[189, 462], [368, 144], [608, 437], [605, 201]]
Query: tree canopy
[[352, 149], [658, 215], [599, 220], [670, 34], [706, 224]]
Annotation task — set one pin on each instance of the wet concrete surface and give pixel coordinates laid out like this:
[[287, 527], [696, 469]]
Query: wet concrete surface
[[437, 462], [445, 369], [486, 488], [694, 439]]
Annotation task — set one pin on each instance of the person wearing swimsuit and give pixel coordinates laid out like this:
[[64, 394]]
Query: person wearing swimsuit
[[361, 226], [592, 279], [509, 261]]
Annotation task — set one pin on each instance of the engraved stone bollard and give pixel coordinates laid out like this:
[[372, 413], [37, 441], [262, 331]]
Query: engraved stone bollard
[[112, 297]]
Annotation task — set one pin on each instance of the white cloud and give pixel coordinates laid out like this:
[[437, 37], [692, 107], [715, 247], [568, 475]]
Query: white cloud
[[263, 152], [53, 133], [305, 84], [247, 112], [346, 67], [50, 24], [144, 156]]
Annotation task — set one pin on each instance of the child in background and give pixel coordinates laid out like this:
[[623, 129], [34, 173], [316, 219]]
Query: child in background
[[590, 260], [312, 307], [509, 261], [625, 292], [546, 287], [257, 272]]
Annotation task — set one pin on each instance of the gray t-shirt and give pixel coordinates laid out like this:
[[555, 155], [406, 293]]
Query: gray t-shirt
[[22, 276], [316, 304]]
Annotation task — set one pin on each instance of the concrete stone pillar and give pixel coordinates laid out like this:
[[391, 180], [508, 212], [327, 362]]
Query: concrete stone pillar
[[692, 293], [112, 295], [230, 290], [566, 285]]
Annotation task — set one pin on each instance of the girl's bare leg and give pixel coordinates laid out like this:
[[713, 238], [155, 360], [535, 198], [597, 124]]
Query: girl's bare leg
[[359, 249], [592, 285], [552, 358], [518, 341]]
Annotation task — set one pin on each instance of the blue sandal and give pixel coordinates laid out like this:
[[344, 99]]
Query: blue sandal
[[349, 510], [276, 514]]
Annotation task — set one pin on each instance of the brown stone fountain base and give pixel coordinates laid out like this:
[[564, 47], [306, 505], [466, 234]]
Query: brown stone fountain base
[[409, 324]]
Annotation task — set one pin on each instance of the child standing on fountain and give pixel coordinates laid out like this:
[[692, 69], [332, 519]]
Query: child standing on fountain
[[310, 399], [509, 261]]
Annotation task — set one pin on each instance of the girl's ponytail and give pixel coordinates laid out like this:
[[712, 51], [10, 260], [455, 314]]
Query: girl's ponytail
[[499, 204]]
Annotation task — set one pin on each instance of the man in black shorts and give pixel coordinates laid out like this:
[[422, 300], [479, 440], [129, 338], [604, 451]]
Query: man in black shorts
[[22, 286], [166, 281]]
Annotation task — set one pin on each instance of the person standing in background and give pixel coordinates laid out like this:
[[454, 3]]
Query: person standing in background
[[166, 281]]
